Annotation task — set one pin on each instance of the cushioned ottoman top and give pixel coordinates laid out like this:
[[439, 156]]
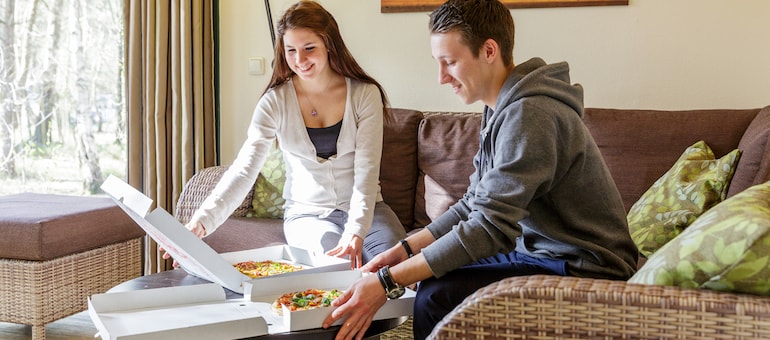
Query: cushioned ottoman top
[[45, 226]]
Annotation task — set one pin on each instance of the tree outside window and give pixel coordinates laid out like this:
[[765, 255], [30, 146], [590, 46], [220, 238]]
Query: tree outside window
[[62, 112]]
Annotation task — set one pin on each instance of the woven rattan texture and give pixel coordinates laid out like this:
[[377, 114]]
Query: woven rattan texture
[[402, 332], [551, 307], [39, 292], [199, 187]]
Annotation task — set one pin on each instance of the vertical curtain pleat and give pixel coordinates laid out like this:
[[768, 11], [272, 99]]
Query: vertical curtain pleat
[[171, 108]]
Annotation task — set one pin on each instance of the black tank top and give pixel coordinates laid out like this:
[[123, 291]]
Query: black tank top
[[325, 139]]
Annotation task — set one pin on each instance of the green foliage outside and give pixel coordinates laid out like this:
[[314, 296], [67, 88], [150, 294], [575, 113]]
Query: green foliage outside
[[62, 112]]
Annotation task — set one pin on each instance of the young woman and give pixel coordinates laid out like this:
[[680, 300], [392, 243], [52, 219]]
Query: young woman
[[327, 116]]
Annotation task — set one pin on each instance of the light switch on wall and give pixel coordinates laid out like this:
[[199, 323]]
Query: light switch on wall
[[257, 66]]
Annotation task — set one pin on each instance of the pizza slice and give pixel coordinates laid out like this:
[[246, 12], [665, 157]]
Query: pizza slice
[[304, 300], [255, 269]]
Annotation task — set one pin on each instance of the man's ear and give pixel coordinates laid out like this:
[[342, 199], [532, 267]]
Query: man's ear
[[490, 50]]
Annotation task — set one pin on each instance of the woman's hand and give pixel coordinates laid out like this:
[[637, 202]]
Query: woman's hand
[[351, 245], [357, 306], [196, 228], [165, 255]]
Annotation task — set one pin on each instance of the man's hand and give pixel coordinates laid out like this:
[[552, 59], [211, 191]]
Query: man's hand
[[390, 257], [357, 306], [351, 245]]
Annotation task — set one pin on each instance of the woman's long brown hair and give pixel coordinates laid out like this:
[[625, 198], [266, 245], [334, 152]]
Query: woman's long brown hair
[[311, 15]]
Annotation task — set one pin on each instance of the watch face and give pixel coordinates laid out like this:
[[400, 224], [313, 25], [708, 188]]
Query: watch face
[[396, 293]]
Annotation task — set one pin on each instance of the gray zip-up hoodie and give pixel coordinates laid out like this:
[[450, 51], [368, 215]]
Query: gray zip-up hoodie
[[540, 186]]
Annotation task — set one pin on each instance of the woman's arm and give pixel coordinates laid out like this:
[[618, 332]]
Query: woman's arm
[[368, 152], [242, 173]]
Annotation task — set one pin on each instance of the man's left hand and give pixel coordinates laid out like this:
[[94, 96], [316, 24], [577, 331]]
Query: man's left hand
[[357, 306]]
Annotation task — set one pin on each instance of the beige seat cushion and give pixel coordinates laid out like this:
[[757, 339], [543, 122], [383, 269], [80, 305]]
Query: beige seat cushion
[[45, 226]]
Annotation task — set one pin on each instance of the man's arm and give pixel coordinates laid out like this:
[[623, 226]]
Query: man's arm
[[414, 269], [360, 302]]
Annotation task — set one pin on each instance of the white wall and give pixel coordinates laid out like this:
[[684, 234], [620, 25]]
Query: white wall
[[657, 54]]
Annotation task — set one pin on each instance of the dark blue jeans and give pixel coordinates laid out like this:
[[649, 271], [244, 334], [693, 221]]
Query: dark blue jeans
[[436, 297]]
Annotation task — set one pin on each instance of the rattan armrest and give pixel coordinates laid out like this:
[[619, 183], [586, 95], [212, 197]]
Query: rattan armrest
[[199, 187], [554, 307]]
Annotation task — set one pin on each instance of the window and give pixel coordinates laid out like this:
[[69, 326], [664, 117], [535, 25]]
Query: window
[[62, 113]]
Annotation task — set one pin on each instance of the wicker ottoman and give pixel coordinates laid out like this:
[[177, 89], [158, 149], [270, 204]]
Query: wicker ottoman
[[56, 251]]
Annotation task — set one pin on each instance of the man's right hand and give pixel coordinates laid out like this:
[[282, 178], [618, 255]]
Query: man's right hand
[[390, 257]]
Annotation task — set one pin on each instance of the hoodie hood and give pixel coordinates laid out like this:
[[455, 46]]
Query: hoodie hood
[[536, 78]]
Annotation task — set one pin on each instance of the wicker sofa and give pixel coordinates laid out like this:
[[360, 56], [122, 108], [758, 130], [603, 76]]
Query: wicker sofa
[[427, 158]]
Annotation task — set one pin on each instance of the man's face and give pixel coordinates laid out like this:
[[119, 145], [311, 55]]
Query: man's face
[[459, 67]]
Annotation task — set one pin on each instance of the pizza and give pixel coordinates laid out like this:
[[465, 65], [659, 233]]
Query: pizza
[[306, 299], [254, 269]]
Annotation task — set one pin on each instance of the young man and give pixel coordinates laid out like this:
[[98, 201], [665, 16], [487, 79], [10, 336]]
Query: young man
[[541, 199]]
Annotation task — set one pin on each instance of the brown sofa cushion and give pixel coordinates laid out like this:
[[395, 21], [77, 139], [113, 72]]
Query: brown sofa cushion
[[44, 226], [630, 140], [754, 165], [398, 170], [254, 232], [443, 180]]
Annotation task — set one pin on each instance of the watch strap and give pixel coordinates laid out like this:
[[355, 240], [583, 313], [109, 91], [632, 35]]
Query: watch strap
[[407, 247], [392, 289], [382, 280]]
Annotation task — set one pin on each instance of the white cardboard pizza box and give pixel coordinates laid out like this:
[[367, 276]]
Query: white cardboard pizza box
[[186, 312], [198, 258], [270, 288]]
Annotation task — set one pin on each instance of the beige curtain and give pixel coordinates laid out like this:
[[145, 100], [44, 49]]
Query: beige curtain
[[170, 100]]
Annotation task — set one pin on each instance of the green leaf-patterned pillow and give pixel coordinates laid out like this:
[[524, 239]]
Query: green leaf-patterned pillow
[[695, 183], [725, 249], [268, 189]]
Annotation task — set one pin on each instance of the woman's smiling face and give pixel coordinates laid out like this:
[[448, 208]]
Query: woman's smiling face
[[305, 52]]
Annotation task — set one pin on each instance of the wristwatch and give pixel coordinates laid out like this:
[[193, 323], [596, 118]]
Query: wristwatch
[[392, 289]]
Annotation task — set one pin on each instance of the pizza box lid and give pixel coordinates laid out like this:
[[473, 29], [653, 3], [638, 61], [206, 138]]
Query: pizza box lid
[[198, 258], [186, 312], [270, 288]]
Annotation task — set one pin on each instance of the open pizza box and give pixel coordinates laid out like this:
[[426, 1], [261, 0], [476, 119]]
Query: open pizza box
[[270, 288], [198, 258], [185, 312], [203, 312]]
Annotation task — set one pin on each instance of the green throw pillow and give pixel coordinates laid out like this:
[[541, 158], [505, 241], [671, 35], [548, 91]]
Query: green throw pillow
[[726, 249], [268, 189], [695, 183]]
